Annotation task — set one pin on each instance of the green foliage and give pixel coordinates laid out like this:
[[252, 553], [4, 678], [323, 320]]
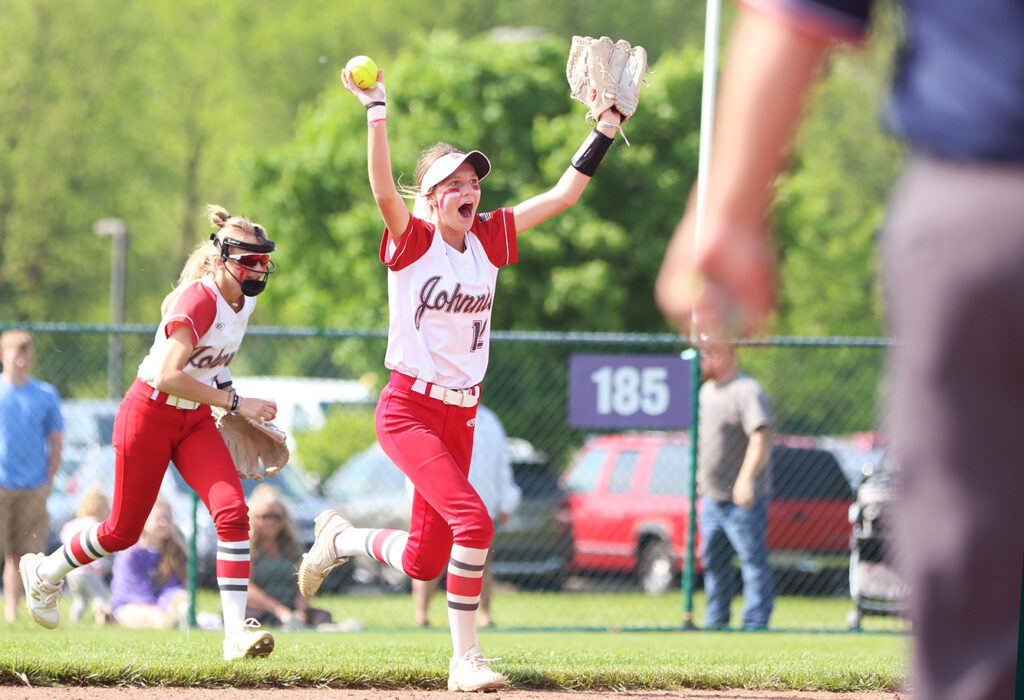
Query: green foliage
[[345, 433], [147, 111]]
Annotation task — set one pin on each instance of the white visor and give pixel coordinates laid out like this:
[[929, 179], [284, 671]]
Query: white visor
[[448, 164]]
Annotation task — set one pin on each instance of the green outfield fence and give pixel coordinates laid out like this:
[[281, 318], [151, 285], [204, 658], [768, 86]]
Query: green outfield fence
[[605, 512]]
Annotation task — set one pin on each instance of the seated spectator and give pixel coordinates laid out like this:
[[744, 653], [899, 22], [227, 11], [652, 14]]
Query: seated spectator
[[274, 549], [87, 585], [147, 586]]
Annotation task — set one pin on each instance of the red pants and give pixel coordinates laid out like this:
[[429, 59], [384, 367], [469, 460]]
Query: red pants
[[148, 434], [432, 443]]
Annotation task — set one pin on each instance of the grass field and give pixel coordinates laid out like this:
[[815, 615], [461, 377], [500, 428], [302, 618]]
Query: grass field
[[573, 659]]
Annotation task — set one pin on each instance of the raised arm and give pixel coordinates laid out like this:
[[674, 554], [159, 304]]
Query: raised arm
[[393, 208], [573, 181]]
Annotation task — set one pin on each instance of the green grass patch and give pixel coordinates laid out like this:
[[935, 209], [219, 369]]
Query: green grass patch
[[80, 654], [526, 611]]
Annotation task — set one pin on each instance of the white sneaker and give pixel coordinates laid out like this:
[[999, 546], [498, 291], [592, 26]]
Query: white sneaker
[[40, 595], [471, 673], [249, 642], [322, 557]]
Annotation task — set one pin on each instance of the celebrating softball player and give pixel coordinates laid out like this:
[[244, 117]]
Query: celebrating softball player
[[442, 262], [166, 415]]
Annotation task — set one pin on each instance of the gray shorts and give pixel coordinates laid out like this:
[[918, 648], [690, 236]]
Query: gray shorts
[[24, 522]]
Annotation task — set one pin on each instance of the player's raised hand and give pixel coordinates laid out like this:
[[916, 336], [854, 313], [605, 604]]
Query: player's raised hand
[[374, 93], [724, 283]]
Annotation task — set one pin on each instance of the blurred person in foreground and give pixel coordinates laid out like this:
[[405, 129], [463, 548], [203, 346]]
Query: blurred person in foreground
[[490, 473], [31, 440], [166, 416], [953, 262], [274, 597], [148, 582], [735, 488], [87, 586]]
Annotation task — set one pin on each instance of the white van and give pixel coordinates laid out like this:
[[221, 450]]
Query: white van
[[304, 402]]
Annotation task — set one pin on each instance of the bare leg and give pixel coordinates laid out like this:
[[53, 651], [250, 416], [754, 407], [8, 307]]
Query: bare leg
[[144, 617], [12, 587], [484, 615], [422, 592]]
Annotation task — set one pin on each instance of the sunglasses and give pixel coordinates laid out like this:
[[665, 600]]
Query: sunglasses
[[251, 259], [269, 516]]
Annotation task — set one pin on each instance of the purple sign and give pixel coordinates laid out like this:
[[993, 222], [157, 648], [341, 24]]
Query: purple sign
[[629, 391]]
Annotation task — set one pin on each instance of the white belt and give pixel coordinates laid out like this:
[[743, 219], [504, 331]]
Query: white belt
[[176, 401], [466, 398]]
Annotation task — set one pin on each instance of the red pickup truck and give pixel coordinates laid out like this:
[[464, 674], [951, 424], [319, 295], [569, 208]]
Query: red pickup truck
[[630, 508]]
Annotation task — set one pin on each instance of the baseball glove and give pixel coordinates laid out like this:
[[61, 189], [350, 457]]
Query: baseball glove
[[258, 449], [603, 74]]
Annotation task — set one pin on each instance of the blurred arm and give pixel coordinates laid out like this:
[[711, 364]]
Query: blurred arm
[[768, 71], [56, 440], [261, 600]]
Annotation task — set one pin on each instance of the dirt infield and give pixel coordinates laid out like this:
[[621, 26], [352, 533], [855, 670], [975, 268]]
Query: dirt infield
[[97, 693]]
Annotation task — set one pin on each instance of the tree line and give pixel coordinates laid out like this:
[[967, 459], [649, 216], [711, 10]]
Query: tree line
[[148, 110]]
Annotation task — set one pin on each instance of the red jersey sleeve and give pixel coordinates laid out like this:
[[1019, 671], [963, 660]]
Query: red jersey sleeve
[[497, 233], [414, 243], [195, 308]]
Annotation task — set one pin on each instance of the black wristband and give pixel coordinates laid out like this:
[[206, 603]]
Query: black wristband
[[375, 103], [589, 155], [235, 400]]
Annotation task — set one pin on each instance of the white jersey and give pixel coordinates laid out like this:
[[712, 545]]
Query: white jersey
[[217, 332], [440, 299]]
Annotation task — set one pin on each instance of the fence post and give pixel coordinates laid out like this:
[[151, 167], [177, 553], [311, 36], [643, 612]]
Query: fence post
[[689, 572]]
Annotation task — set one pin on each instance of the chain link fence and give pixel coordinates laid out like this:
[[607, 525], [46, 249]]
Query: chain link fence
[[602, 536]]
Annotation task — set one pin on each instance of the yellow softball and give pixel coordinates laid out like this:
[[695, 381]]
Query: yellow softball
[[363, 71]]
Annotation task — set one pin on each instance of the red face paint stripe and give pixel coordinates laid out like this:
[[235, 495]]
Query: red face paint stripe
[[451, 191]]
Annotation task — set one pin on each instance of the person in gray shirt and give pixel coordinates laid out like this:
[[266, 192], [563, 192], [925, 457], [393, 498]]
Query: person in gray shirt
[[735, 487]]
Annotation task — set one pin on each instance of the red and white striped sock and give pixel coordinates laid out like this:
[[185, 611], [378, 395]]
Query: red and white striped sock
[[233, 582], [83, 549], [384, 545], [463, 583]]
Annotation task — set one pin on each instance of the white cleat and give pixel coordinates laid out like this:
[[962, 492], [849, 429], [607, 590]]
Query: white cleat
[[322, 557], [471, 673], [248, 642], [40, 595]]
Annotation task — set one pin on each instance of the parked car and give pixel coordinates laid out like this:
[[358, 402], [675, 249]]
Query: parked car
[[533, 549], [303, 403], [628, 495], [859, 454], [88, 422]]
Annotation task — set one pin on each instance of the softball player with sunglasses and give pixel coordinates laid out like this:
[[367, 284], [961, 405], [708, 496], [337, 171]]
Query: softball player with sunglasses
[[165, 415]]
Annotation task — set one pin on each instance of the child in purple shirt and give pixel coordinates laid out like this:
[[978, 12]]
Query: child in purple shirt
[[146, 588]]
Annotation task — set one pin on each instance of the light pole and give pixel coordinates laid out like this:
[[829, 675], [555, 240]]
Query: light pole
[[114, 228]]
